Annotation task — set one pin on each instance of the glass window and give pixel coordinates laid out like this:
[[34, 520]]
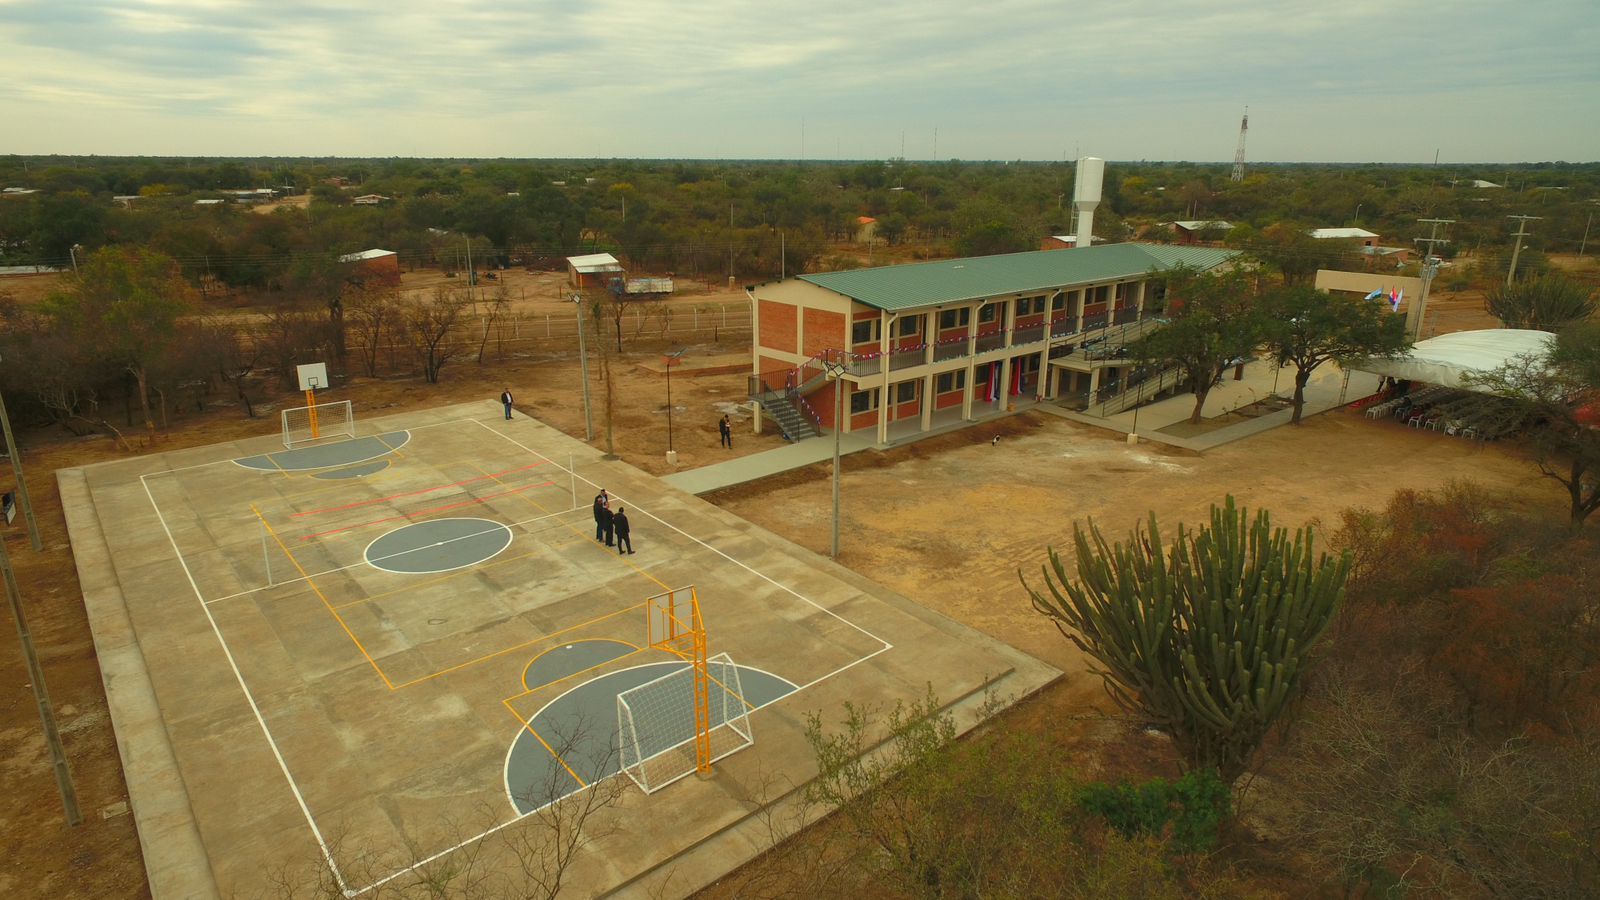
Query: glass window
[[981, 375], [951, 381], [988, 312], [1058, 303], [864, 332], [905, 392], [864, 401], [909, 325], [955, 318]]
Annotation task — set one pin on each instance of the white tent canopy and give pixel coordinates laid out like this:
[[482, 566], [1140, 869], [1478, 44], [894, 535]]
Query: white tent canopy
[[1448, 358]]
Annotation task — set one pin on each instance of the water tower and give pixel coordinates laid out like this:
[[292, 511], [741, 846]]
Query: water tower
[[1091, 173]]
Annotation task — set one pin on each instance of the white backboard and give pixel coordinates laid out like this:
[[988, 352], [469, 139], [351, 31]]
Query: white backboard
[[313, 376]]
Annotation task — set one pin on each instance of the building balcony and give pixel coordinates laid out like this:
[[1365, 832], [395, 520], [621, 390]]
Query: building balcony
[[1027, 335], [951, 350], [905, 359], [992, 341]]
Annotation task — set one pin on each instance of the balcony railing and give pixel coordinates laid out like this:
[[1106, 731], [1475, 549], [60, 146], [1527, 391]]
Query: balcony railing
[[905, 359], [1027, 335], [991, 341]]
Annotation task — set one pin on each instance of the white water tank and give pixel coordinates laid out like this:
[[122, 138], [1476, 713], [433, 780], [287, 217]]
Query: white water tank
[[1086, 196]]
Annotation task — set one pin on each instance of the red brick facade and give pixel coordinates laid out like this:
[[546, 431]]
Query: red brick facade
[[778, 326]]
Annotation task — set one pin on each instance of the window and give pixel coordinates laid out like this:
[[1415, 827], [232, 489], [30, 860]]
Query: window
[[980, 375], [1030, 306], [864, 331], [909, 325], [864, 401], [955, 318], [905, 392], [951, 381], [1102, 294], [988, 312], [1058, 303]]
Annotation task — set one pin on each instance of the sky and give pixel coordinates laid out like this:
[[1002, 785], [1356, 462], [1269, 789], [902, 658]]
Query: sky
[[1332, 80]]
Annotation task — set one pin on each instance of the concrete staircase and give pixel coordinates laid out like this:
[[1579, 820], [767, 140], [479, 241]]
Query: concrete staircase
[[795, 424]]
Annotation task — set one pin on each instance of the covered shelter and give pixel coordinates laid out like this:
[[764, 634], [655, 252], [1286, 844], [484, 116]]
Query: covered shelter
[[593, 270], [1449, 359]]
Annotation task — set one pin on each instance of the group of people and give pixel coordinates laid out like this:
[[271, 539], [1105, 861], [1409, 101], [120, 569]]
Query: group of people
[[611, 527]]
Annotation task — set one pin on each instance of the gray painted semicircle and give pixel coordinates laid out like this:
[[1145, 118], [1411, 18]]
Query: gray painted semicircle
[[327, 456]]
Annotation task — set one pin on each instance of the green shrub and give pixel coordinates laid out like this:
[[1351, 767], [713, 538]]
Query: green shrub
[[1193, 807]]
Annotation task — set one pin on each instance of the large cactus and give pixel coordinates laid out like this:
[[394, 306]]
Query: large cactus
[[1209, 638]]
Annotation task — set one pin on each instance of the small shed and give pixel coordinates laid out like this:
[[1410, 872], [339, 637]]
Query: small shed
[[593, 270], [1200, 231], [1360, 235], [1063, 242], [374, 267]]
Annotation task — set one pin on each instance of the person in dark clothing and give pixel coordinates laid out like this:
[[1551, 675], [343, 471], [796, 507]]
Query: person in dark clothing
[[726, 431], [505, 399], [600, 515], [606, 515], [620, 522]]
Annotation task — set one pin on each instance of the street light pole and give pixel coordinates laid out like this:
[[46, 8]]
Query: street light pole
[[1358, 213], [835, 373], [672, 455], [583, 363]]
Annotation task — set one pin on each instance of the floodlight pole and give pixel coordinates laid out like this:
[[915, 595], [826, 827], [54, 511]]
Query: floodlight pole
[[23, 499], [52, 737], [1522, 232], [583, 363]]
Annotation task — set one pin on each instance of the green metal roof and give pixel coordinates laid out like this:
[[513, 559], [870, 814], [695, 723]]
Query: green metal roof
[[974, 278]]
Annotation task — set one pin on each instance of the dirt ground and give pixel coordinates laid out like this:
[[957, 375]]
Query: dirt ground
[[950, 521]]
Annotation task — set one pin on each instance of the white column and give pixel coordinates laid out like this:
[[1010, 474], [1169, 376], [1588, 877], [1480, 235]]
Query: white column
[[886, 325], [927, 401]]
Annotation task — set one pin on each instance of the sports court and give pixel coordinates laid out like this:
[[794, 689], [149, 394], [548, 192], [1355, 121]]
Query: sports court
[[376, 649]]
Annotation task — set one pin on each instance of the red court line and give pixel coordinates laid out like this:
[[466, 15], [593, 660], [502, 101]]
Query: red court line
[[410, 493], [426, 511]]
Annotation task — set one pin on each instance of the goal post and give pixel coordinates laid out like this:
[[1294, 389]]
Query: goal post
[[304, 424], [659, 731]]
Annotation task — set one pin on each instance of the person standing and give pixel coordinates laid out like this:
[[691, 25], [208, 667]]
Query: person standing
[[620, 522], [607, 519], [600, 518], [726, 431], [505, 399]]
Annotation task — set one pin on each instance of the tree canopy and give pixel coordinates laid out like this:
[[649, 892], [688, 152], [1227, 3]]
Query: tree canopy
[[1304, 328]]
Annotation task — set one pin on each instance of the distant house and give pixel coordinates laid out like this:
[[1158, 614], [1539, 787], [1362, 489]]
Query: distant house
[[210, 202], [1064, 242], [1480, 183], [1200, 231], [1360, 235], [593, 270], [370, 200], [374, 267], [125, 199], [17, 191], [252, 195]]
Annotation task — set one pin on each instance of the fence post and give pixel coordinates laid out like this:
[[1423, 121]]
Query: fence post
[[547, 325]]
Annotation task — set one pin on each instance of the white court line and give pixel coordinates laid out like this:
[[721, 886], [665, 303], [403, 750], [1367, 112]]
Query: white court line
[[280, 470], [255, 590], [238, 676], [277, 754], [497, 528], [220, 462]]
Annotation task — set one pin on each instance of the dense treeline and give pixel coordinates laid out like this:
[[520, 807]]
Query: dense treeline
[[713, 218]]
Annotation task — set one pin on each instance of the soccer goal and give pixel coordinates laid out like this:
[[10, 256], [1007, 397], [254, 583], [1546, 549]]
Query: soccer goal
[[660, 730], [304, 424]]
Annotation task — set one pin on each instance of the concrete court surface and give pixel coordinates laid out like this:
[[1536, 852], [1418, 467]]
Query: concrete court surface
[[282, 704]]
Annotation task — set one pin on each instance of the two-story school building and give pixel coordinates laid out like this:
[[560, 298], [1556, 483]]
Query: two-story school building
[[923, 345]]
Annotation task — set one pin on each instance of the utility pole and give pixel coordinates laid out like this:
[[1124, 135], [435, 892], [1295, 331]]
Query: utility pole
[[471, 276], [583, 363], [52, 737], [1582, 245], [834, 370], [1430, 266], [1522, 232]]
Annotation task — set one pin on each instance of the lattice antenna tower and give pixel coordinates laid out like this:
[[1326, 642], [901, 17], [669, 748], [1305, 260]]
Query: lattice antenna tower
[[1238, 155]]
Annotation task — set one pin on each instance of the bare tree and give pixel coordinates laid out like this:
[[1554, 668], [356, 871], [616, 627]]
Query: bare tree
[[371, 311], [427, 324]]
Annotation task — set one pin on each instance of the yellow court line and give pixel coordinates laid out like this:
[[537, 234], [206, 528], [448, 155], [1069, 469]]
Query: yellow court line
[[527, 724], [394, 450], [528, 690], [515, 647], [451, 576], [321, 596]]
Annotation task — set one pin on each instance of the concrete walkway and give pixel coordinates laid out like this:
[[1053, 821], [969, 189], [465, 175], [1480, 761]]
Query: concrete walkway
[[1322, 394]]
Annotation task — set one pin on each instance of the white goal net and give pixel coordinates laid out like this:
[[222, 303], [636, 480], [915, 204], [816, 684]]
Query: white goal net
[[656, 723], [304, 424]]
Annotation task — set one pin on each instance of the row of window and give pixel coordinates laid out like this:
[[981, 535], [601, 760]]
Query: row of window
[[867, 331], [943, 383]]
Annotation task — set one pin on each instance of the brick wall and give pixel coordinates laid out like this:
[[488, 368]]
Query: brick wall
[[824, 331], [778, 330]]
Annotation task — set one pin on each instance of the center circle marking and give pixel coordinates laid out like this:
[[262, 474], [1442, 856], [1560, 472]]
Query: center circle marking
[[438, 545]]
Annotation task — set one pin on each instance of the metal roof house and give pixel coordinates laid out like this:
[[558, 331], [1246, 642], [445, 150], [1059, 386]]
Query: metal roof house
[[592, 270], [925, 345]]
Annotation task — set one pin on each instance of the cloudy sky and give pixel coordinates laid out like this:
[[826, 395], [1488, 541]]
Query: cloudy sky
[[1337, 80]]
